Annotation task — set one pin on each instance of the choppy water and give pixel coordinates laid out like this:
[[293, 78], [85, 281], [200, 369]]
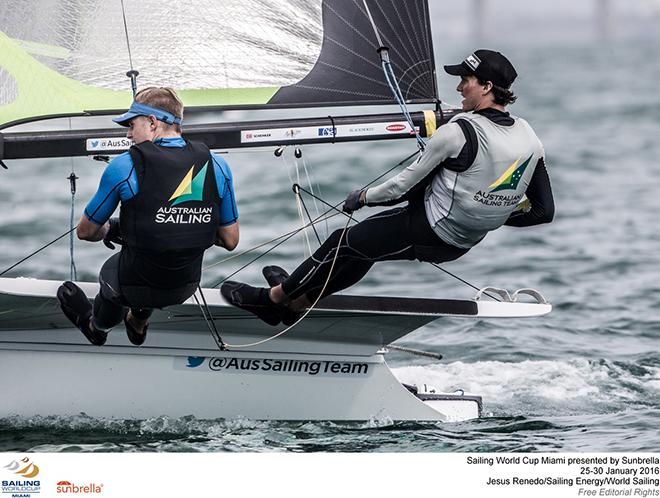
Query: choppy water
[[585, 378]]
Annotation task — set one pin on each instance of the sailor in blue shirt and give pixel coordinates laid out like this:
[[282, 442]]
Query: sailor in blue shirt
[[177, 200], [119, 184]]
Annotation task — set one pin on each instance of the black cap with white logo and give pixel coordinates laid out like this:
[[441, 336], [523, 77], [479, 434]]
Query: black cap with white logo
[[486, 65]]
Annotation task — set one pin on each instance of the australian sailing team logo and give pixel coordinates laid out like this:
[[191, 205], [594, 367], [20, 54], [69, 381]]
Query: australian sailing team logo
[[24, 484], [511, 177], [509, 180], [190, 189]]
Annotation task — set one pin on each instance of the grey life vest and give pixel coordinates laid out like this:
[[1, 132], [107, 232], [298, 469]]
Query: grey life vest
[[463, 207]]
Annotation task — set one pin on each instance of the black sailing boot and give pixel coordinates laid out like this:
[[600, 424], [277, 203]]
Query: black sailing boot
[[78, 309]]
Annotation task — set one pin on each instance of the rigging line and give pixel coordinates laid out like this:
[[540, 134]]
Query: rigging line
[[392, 168], [72, 261], [462, 280], [38, 250], [350, 218], [128, 43], [256, 259], [72, 181], [335, 207], [391, 79], [309, 216], [396, 90], [206, 320], [323, 217], [294, 232], [320, 219], [311, 187], [373, 24], [318, 187], [209, 321], [307, 249], [290, 166], [306, 245], [309, 310], [406, 47], [132, 74], [434, 264]]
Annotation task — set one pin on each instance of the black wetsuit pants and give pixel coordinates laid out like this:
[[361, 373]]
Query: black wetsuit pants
[[113, 298], [397, 234]]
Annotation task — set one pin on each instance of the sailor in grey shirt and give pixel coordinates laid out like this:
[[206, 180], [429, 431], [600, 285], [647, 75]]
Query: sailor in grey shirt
[[483, 169]]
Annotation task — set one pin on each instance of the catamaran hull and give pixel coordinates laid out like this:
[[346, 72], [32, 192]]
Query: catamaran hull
[[255, 386]]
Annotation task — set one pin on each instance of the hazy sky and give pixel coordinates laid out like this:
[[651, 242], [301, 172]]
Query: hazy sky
[[538, 20]]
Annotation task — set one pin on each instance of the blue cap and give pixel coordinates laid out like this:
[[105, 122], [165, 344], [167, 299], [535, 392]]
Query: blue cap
[[138, 109]]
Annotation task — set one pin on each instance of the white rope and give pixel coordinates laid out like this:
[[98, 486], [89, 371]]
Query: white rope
[[279, 334], [307, 245], [317, 211]]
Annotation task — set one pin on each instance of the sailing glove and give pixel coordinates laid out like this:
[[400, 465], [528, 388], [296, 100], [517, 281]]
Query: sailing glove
[[113, 234], [353, 202]]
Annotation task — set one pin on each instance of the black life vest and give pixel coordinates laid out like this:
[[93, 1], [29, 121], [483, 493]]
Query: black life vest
[[177, 203]]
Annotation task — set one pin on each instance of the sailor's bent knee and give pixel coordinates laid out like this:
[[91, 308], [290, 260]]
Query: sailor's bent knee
[[330, 244]]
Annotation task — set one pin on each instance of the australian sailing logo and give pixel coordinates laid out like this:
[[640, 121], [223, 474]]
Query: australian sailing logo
[[190, 189], [508, 181], [511, 177], [26, 486]]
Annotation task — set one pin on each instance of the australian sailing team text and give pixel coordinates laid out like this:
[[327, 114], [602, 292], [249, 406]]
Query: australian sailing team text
[[183, 215], [289, 366]]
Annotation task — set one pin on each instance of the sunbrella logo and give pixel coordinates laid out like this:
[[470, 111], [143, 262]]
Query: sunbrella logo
[[511, 177], [190, 189], [22, 487], [69, 487]]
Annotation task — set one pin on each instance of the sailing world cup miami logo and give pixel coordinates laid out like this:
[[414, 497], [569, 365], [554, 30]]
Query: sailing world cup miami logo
[[190, 189], [23, 484]]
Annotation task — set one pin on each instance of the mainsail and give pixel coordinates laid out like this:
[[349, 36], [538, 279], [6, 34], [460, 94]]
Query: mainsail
[[70, 57]]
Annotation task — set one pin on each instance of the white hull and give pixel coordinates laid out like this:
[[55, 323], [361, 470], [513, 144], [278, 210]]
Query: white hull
[[139, 386], [329, 367]]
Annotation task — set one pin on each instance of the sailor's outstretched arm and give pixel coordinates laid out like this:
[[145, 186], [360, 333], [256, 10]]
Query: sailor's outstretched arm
[[445, 143]]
